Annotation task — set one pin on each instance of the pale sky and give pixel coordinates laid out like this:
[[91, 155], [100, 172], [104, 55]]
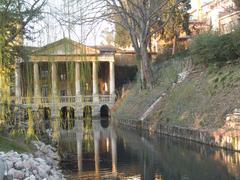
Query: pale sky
[[52, 31], [195, 2]]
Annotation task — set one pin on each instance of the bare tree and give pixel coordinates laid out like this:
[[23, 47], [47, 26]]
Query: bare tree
[[142, 19]]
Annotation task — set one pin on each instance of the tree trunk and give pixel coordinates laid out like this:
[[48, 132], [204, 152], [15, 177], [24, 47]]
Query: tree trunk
[[174, 41], [148, 77], [140, 68]]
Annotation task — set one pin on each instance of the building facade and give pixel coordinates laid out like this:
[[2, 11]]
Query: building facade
[[218, 15], [66, 74]]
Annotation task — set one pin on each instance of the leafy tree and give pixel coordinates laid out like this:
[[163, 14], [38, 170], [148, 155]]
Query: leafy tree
[[178, 23], [17, 18]]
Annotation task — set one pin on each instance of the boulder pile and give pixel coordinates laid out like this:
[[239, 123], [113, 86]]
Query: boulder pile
[[42, 165]]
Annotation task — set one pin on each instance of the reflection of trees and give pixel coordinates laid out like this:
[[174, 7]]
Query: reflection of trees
[[88, 145], [174, 159]]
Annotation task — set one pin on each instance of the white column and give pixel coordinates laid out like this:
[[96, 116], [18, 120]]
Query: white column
[[95, 78], [36, 80], [77, 79], [112, 78], [95, 82], [18, 92], [54, 79]]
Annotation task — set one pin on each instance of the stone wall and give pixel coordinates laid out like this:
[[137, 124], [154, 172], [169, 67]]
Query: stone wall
[[225, 138]]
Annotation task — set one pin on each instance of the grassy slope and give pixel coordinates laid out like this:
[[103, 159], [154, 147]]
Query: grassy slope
[[201, 101], [137, 102], [7, 144]]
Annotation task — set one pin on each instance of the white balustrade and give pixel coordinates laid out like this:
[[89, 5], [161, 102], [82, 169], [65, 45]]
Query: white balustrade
[[46, 101]]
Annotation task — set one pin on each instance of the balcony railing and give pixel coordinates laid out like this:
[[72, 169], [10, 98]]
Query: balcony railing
[[65, 100]]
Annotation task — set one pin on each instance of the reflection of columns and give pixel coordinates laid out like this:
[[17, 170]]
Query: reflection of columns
[[77, 79], [96, 136], [96, 154], [112, 78], [36, 80], [54, 79], [114, 153], [18, 82], [79, 135], [56, 128]]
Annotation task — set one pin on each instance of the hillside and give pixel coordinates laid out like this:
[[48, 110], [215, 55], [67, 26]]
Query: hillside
[[202, 100]]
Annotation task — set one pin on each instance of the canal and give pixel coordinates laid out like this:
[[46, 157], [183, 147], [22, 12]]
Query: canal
[[101, 150]]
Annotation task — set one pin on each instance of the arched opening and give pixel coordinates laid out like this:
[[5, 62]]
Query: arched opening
[[46, 117], [87, 117], [104, 111], [67, 117], [104, 122]]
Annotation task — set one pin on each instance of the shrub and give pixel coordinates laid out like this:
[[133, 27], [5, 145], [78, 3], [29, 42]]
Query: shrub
[[214, 48]]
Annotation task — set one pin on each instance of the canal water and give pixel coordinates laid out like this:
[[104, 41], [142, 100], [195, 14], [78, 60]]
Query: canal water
[[102, 150]]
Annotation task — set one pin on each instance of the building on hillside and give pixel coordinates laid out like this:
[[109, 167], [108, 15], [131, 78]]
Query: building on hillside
[[217, 15], [66, 74]]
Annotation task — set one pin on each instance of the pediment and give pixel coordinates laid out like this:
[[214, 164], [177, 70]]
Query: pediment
[[66, 47]]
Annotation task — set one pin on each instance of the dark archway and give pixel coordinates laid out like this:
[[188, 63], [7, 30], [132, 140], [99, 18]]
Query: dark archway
[[104, 122], [104, 111], [67, 117]]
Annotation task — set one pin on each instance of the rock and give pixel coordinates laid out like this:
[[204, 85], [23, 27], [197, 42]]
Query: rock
[[31, 168], [18, 165], [16, 173], [32, 177], [9, 164], [43, 170], [28, 164], [2, 169], [24, 156], [35, 172], [40, 160]]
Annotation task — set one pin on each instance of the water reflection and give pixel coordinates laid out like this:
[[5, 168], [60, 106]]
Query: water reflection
[[100, 152]]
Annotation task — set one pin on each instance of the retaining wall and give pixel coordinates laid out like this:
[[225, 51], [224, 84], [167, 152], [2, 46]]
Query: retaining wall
[[224, 138]]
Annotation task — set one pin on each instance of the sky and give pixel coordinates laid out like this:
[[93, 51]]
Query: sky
[[195, 2], [52, 31]]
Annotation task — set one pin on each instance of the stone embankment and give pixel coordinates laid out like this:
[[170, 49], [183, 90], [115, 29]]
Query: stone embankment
[[226, 137], [42, 165]]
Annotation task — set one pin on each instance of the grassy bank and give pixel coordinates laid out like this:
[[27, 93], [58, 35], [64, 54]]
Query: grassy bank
[[16, 144], [201, 101]]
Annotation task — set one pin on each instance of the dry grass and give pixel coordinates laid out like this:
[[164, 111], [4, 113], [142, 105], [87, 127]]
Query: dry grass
[[201, 101]]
